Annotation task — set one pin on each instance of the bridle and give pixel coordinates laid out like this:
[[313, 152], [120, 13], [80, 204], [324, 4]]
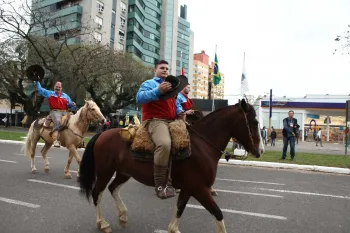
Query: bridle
[[87, 122], [228, 155]]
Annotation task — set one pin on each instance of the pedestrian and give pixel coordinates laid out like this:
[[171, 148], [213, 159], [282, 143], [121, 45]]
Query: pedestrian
[[264, 135], [319, 137], [289, 125], [273, 136]]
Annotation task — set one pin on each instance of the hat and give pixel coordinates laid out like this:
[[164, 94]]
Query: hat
[[177, 85], [35, 72]]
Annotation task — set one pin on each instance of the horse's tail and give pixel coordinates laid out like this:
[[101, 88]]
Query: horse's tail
[[87, 174], [32, 137]]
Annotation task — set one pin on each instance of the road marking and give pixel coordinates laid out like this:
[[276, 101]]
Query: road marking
[[248, 181], [19, 202], [18, 154], [242, 212], [256, 194], [7, 161], [54, 184], [37, 156], [72, 171], [160, 231], [304, 193]]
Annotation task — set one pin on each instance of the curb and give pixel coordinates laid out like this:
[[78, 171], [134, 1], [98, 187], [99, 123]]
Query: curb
[[243, 163], [288, 166]]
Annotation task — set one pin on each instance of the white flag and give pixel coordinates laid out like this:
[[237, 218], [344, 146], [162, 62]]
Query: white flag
[[244, 81]]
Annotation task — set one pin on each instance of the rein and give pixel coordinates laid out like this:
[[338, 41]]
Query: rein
[[80, 117], [228, 155]]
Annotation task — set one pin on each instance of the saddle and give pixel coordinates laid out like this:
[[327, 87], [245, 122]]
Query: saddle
[[47, 122], [142, 146]]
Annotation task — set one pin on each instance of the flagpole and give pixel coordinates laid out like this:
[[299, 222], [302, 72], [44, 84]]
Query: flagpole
[[213, 86], [242, 92], [180, 62]]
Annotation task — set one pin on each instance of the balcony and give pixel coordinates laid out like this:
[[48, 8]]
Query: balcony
[[72, 41], [39, 31], [68, 11], [45, 3]]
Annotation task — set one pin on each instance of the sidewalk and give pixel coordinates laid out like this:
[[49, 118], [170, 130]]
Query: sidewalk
[[309, 147]]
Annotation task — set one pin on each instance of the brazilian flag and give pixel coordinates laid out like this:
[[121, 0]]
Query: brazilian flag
[[217, 77]]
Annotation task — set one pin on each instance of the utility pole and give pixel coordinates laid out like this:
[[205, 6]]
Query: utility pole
[[270, 114]]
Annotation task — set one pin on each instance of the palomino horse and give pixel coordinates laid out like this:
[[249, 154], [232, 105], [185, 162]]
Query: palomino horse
[[107, 153], [70, 137]]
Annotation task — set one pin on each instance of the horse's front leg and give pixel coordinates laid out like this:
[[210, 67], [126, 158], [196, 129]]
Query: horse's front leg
[[44, 153], [77, 157], [67, 174], [206, 199], [180, 207]]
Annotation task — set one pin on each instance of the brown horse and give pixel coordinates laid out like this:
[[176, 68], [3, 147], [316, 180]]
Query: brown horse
[[70, 137], [107, 153]]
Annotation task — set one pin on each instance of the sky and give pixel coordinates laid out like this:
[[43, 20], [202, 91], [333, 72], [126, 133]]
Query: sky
[[289, 45]]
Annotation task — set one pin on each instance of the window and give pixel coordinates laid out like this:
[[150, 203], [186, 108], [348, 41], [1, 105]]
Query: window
[[121, 34], [120, 46], [152, 12], [98, 36], [122, 20], [100, 6], [123, 6], [98, 20], [148, 59]]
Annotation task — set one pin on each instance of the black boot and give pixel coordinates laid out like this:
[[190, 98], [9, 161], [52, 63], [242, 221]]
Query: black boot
[[163, 190]]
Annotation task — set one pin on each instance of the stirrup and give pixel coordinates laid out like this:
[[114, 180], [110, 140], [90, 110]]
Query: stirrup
[[162, 192]]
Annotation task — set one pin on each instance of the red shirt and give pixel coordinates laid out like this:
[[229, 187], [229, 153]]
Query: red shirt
[[163, 109]]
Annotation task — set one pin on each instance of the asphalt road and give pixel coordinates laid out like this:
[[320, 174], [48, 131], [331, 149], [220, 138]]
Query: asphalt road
[[252, 199]]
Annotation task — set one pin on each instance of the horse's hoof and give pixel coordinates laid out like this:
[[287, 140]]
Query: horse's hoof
[[34, 171], [177, 231], [122, 223], [107, 230], [214, 193], [47, 170], [67, 176]]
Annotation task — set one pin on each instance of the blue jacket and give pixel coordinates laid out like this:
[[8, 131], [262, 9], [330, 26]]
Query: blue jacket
[[149, 92], [55, 101]]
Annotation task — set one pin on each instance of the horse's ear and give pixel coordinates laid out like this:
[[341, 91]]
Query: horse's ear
[[244, 105]]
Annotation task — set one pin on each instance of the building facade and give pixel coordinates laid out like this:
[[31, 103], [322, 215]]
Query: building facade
[[169, 31], [199, 81], [144, 30], [83, 21], [183, 42], [325, 111]]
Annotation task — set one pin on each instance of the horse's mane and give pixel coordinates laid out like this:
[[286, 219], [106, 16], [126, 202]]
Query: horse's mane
[[211, 116], [76, 117]]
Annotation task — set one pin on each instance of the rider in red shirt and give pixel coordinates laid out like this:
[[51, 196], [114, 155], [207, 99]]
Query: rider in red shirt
[[59, 103]]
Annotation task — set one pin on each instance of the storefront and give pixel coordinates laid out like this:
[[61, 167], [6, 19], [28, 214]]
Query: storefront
[[312, 112]]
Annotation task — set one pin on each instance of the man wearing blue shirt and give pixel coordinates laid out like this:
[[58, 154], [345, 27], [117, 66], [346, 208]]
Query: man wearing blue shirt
[[157, 113], [59, 103]]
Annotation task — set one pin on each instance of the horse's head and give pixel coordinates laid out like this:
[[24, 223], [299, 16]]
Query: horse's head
[[247, 130], [92, 112]]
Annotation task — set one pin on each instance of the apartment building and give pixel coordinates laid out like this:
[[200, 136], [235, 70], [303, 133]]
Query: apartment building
[[184, 48], [199, 80], [83, 21]]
